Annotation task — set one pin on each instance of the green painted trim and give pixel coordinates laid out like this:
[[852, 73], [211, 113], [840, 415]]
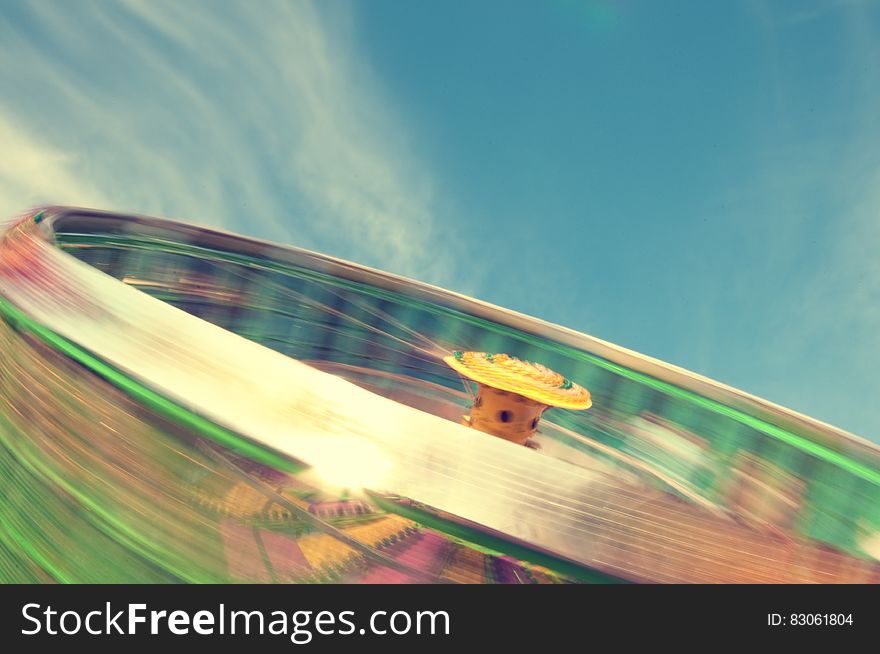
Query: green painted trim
[[497, 545], [149, 397]]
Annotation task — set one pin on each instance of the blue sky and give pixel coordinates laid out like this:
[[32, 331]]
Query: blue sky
[[696, 181]]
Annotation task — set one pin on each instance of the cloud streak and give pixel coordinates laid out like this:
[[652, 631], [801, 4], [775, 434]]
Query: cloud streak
[[265, 120]]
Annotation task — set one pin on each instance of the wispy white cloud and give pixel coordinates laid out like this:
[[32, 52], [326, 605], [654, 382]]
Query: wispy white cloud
[[32, 172], [266, 120]]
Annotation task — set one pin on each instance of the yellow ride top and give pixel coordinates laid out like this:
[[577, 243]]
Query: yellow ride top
[[531, 380]]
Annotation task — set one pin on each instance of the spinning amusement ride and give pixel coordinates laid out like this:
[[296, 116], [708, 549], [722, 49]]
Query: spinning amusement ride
[[183, 404]]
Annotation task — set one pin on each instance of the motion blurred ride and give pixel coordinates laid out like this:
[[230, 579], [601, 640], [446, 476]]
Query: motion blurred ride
[[182, 404]]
